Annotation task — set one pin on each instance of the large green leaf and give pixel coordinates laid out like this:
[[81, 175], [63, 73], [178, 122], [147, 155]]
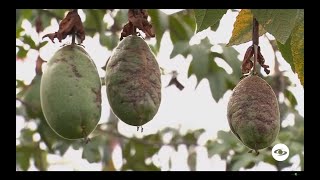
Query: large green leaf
[[180, 30], [230, 56], [286, 52], [180, 47], [207, 17], [94, 21], [242, 28], [160, 23], [91, 150], [297, 48], [278, 22], [181, 26], [23, 154], [204, 66], [110, 41]]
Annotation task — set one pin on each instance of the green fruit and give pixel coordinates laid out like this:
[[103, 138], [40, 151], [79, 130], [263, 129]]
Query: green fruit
[[32, 98], [71, 93], [253, 113], [133, 82]]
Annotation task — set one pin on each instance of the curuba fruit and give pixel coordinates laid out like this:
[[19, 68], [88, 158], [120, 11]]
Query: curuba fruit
[[133, 82], [253, 113], [70, 93], [32, 98]]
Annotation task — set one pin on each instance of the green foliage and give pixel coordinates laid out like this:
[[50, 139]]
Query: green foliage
[[278, 22], [286, 52], [297, 48], [287, 26], [208, 17], [242, 28], [203, 65]]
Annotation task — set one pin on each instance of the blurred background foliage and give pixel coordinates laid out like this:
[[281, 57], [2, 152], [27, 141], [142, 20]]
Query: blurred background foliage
[[138, 152]]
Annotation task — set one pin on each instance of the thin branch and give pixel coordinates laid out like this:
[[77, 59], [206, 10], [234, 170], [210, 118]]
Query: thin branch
[[255, 41]]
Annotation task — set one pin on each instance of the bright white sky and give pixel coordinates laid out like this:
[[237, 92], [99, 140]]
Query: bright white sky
[[189, 109]]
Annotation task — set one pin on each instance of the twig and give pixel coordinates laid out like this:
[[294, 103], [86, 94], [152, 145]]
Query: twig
[[255, 41]]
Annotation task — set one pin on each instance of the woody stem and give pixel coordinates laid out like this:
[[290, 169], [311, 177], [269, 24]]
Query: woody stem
[[73, 38], [255, 41]]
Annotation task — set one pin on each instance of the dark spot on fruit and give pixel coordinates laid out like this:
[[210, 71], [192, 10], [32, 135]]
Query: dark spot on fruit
[[75, 71]]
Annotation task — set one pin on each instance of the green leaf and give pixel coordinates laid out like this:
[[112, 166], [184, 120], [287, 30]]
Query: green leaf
[[18, 31], [217, 148], [121, 18], [20, 111], [28, 40], [242, 161], [17, 15], [215, 26], [43, 44], [204, 66], [22, 14], [292, 99], [160, 23], [179, 30], [180, 47], [22, 53], [216, 78], [77, 145], [200, 59], [94, 21], [23, 155], [242, 28], [297, 48], [286, 52], [207, 17], [301, 161], [40, 159], [109, 41], [91, 150], [48, 136], [26, 136], [59, 12], [61, 147], [192, 160], [278, 22], [230, 55]]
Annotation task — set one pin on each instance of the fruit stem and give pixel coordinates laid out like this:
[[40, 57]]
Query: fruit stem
[[255, 42], [73, 38]]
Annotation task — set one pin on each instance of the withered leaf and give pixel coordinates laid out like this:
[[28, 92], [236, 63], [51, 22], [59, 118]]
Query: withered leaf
[[247, 63], [138, 18], [70, 24]]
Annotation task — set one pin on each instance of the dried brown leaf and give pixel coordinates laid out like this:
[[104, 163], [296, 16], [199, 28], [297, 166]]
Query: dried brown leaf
[[69, 25]]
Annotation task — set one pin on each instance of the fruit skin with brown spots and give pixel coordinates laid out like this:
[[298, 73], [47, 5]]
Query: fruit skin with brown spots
[[253, 113], [70, 93], [133, 82]]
